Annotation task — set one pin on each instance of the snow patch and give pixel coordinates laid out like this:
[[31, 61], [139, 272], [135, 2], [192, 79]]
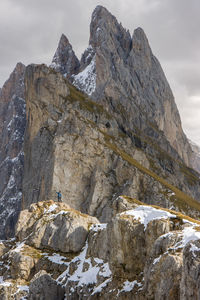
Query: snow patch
[[100, 287], [98, 227], [194, 249], [4, 283], [190, 234], [86, 273], [129, 285], [51, 208], [23, 288], [157, 259], [11, 182], [9, 125], [146, 214], [19, 247], [56, 258], [86, 80]]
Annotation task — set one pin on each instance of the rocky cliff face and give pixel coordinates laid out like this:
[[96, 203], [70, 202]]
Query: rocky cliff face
[[12, 121], [74, 145], [96, 129], [144, 252], [122, 73], [195, 155]]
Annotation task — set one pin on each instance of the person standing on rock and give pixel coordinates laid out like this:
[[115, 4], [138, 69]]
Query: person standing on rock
[[59, 196]]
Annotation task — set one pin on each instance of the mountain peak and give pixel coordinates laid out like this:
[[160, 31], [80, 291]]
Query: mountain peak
[[105, 29], [14, 84], [140, 43], [100, 11], [65, 60], [63, 40]]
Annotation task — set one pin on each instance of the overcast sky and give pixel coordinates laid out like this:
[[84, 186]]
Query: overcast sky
[[30, 30]]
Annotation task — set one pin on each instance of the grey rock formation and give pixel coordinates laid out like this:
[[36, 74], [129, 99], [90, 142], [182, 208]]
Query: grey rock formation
[[195, 156], [125, 76], [54, 226], [148, 258], [12, 127], [43, 287], [74, 145], [190, 288], [65, 60], [125, 139], [144, 252]]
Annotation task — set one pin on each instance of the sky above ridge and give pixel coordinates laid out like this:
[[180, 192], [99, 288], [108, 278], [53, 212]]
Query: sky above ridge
[[30, 31]]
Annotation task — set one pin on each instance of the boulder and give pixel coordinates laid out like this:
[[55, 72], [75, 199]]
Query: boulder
[[54, 226], [43, 287]]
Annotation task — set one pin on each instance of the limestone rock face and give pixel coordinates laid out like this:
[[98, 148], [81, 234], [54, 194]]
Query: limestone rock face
[[144, 252], [75, 145], [65, 60], [195, 156], [22, 263], [190, 288], [12, 127], [54, 226], [44, 109], [121, 72]]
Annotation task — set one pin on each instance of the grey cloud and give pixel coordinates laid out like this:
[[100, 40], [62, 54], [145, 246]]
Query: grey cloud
[[30, 31]]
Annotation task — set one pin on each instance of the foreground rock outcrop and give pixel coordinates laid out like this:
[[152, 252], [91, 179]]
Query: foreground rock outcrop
[[53, 226], [144, 252]]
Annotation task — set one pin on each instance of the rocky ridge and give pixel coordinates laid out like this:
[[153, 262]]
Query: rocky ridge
[[121, 72], [144, 252], [74, 145]]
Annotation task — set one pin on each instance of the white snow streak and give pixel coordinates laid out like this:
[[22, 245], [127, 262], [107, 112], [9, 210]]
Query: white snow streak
[[86, 80], [146, 214]]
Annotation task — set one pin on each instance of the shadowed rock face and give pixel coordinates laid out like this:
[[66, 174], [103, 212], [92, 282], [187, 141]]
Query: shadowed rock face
[[12, 126]]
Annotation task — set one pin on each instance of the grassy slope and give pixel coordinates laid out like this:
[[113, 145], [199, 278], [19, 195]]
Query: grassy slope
[[180, 198]]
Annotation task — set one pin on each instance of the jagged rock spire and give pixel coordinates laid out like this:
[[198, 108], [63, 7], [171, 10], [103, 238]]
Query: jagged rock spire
[[106, 32], [124, 70], [65, 60]]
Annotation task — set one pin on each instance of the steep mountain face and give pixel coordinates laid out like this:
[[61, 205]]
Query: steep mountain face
[[74, 145], [195, 155], [12, 121], [122, 73], [125, 122], [97, 129]]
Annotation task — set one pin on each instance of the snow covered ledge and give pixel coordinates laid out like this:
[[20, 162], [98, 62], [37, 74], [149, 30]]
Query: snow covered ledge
[[86, 80]]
